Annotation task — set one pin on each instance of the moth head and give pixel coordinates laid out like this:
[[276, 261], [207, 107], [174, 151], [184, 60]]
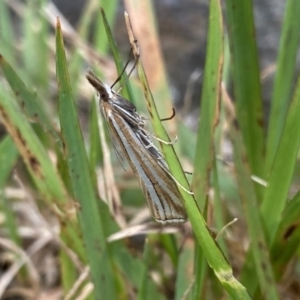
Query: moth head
[[104, 91]]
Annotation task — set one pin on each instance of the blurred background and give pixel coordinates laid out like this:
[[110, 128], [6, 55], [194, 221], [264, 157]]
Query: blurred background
[[182, 28]]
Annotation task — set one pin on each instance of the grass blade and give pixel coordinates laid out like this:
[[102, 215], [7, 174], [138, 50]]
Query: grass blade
[[246, 82], [82, 187], [110, 7], [147, 290], [8, 158], [287, 239], [143, 16], [31, 149], [35, 49], [6, 33], [213, 254], [40, 167], [184, 278], [27, 99], [283, 168], [126, 91], [284, 78], [209, 106], [259, 246], [279, 182], [209, 117]]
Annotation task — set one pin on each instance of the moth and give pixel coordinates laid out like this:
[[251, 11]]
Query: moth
[[147, 163]]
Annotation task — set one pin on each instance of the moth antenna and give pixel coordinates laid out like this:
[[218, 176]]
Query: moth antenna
[[130, 72], [123, 70]]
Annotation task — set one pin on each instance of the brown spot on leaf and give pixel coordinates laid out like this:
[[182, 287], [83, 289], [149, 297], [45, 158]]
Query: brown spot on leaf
[[29, 158], [289, 231], [150, 113], [244, 159], [20, 137], [34, 163], [58, 26], [63, 223], [98, 246], [3, 113], [63, 145], [260, 122], [146, 93], [235, 124], [260, 245]]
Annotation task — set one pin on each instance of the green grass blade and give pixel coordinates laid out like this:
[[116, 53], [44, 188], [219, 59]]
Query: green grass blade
[[6, 33], [170, 246], [184, 278], [68, 272], [40, 167], [35, 49], [27, 99], [200, 272], [259, 247], [213, 254], [8, 158], [143, 18], [126, 91], [77, 60], [209, 106], [96, 155], [188, 141], [83, 189], [281, 175], [110, 7], [287, 239], [219, 218], [279, 183], [246, 82], [31, 149], [205, 148], [146, 289], [142, 291], [284, 78]]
